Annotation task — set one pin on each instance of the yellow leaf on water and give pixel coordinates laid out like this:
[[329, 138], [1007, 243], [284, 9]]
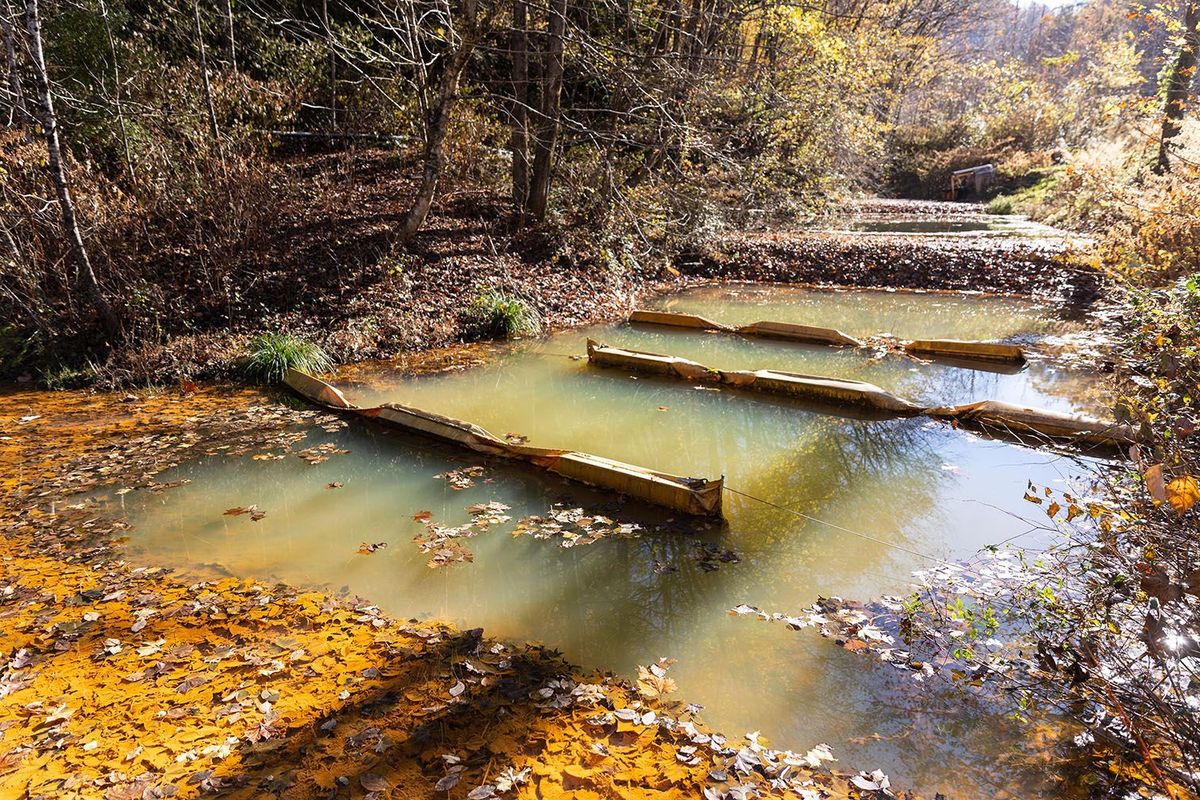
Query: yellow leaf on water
[[1183, 493]]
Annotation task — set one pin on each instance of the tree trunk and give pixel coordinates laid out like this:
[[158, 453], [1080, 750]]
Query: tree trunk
[[333, 121], [1183, 72], [58, 174], [438, 124], [552, 79], [17, 112], [208, 98], [112, 49], [232, 40], [519, 140]]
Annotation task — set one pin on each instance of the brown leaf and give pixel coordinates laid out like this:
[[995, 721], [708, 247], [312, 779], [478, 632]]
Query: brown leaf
[[374, 783], [1154, 484]]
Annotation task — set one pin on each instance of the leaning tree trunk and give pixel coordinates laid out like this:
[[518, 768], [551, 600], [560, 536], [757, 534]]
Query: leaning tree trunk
[[58, 173], [519, 140], [547, 137], [1183, 72], [438, 125], [17, 112]]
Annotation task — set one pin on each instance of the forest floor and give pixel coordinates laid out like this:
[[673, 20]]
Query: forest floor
[[327, 272]]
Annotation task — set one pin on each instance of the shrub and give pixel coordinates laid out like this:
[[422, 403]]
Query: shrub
[[503, 315], [271, 355]]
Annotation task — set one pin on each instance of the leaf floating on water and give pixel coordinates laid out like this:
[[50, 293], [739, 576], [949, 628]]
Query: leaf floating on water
[[460, 479], [874, 781], [334, 485], [423, 516], [818, 755], [367, 548], [664, 408], [652, 681], [709, 557], [573, 527], [237, 511], [321, 453], [484, 515]]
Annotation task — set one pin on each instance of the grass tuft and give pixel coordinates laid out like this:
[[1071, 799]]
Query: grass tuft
[[503, 315], [271, 355], [1001, 204]]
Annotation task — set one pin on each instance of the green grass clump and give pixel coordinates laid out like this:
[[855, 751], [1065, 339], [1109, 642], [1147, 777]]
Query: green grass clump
[[271, 355], [497, 313], [1002, 204]]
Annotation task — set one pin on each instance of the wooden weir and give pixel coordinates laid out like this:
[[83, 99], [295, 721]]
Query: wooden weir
[[954, 349], [988, 415], [696, 496]]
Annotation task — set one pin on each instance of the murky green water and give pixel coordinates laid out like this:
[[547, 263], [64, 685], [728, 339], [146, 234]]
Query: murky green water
[[619, 602]]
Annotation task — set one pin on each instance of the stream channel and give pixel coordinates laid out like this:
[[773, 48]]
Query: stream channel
[[914, 486]]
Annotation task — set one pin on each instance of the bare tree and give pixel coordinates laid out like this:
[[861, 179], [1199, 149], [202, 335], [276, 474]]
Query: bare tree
[[16, 112], [519, 140], [58, 173], [438, 119], [112, 49], [548, 122], [1183, 72], [232, 40], [208, 96]]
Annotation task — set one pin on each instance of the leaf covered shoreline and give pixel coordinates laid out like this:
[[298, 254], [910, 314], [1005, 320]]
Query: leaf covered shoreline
[[124, 681]]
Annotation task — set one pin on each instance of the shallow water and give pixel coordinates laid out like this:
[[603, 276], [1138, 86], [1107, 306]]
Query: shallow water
[[913, 484], [983, 225]]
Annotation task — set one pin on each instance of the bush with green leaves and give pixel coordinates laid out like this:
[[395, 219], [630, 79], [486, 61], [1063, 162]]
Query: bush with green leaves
[[502, 315], [271, 355]]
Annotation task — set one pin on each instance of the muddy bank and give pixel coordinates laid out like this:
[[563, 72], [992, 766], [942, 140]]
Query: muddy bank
[[123, 682]]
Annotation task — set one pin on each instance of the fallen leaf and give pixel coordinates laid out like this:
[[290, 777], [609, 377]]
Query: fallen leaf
[[374, 783]]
